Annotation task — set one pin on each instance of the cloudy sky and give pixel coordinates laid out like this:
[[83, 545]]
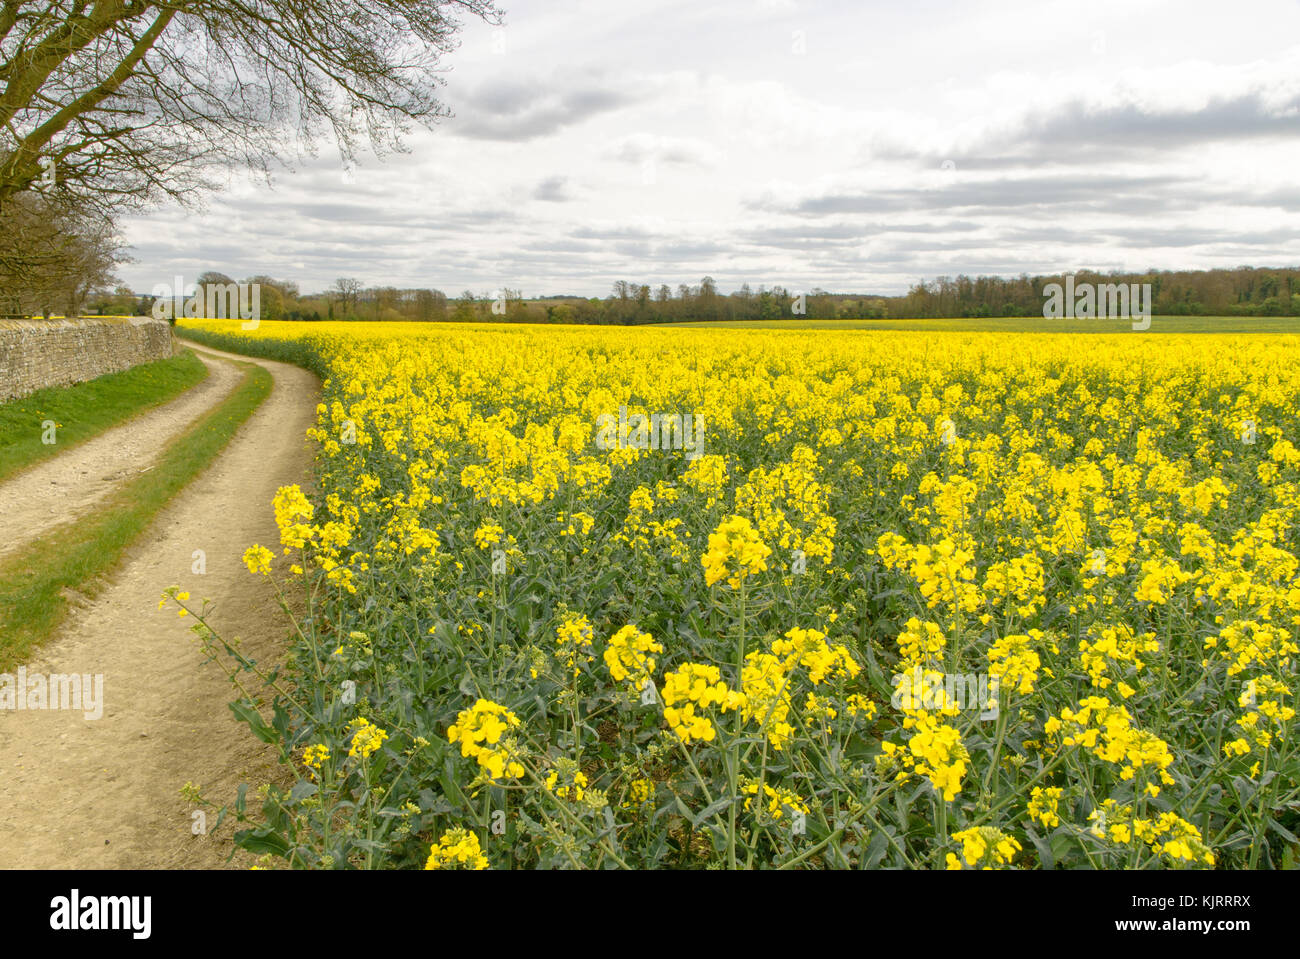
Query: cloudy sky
[[848, 144]]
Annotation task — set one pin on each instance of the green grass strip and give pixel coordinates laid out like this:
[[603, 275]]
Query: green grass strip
[[85, 410], [77, 555], [296, 352]]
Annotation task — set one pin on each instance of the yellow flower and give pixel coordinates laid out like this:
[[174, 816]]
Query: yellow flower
[[781, 803], [457, 849], [258, 559], [291, 506], [573, 641], [367, 738], [639, 791], [695, 685], [489, 534], [628, 656], [1044, 805], [575, 782], [481, 731], [315, 756], [984, 846], [735, 552]]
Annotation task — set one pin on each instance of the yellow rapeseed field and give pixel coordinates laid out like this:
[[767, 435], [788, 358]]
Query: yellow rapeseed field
[[718, 598]]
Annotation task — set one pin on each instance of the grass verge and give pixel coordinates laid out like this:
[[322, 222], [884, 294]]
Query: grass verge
[[295, 352], [77, 555], [85, 410]]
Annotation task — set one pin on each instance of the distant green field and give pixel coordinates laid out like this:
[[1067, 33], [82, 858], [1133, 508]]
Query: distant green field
[[1030, 324]]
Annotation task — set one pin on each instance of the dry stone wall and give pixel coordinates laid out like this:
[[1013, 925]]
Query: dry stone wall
[[35, 354]]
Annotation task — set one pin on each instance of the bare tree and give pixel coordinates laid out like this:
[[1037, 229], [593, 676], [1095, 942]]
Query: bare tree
[[349, 290], [208, 277], [106, 101], [50, 261], [430, 305]]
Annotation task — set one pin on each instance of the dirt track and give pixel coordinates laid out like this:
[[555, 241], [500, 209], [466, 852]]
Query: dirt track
[[60, 489], [79, 793]]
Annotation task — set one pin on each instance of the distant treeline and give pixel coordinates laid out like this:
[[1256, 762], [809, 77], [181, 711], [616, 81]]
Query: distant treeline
[[627, 304], [1245, 291]]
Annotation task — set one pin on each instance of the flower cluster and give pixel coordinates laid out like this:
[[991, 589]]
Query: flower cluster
[[1167, 834], [315, 756], [573, 642], [629, 656], [735, 552], [1014, 662], [258, 560], [1108, 732], [567, 782], [983, 846], [457, 849], [1112, 647], [1044, 805], [933, 750], [291, 507], [367, 738], [696, 687], [481, 731], [780, 802]]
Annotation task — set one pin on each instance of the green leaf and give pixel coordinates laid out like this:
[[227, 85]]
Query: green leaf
[[303, 790], [1282, 831], [1045, 854], [244, 712], [876, 849], [712, 810], [262, 840], [1062, 844]]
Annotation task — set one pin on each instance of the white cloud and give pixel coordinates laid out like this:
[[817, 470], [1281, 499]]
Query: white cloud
[[661, 141]]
